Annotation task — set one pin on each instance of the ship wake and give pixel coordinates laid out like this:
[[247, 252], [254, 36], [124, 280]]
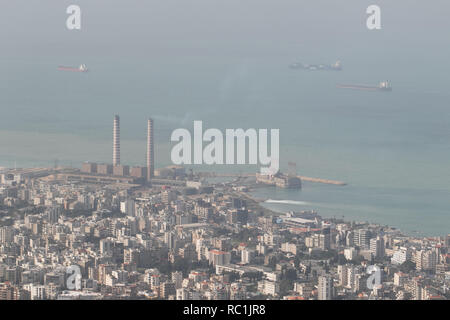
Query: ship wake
[[291, 202]]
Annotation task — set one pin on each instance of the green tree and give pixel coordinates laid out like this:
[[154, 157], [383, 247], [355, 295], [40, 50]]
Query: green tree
[[407, 266]]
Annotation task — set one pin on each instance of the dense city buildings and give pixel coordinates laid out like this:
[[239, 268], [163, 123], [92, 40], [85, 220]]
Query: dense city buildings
[[104, 232], [195, 240]]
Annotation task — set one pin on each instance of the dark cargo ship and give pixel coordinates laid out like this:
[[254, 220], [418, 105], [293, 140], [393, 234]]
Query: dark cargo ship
[[383, 86], [337, 66]]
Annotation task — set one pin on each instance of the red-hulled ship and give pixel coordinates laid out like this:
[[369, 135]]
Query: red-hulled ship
[[81, 68]]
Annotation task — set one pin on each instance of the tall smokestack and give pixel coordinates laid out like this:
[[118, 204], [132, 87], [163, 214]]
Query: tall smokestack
[[150, 151], [116, 141]]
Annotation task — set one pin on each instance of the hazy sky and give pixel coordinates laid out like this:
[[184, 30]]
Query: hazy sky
[[214, 27]]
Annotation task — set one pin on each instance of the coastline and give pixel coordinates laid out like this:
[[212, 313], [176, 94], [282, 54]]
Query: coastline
[[259, 203]]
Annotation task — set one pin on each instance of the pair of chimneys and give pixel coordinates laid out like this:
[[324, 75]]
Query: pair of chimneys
[[150, 148]]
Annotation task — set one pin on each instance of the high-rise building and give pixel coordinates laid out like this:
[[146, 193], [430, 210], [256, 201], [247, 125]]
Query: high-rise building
[[325, 239], [166, 289], [177, 278], [362, 238], [343, 275], [6, 234], [377, 247], [426, 260], [53, 213], [128, 207], [168, 196], [116, 141], [325, 288], [219, 258], [38, 292], [150, 151], [400, 279], [170, 239], [247, 256], [401, 255], [353, 273], [9, 292], [106, 246]]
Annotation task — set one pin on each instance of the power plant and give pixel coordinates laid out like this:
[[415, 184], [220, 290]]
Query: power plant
[[116, 141], [124, 173], [150, 151]]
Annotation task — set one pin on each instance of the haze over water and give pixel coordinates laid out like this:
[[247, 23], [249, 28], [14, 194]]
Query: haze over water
[[226, 63]]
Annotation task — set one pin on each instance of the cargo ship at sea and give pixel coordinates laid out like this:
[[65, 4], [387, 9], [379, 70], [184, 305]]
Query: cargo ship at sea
[[382, 86], [81, 68], [337, 66]]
